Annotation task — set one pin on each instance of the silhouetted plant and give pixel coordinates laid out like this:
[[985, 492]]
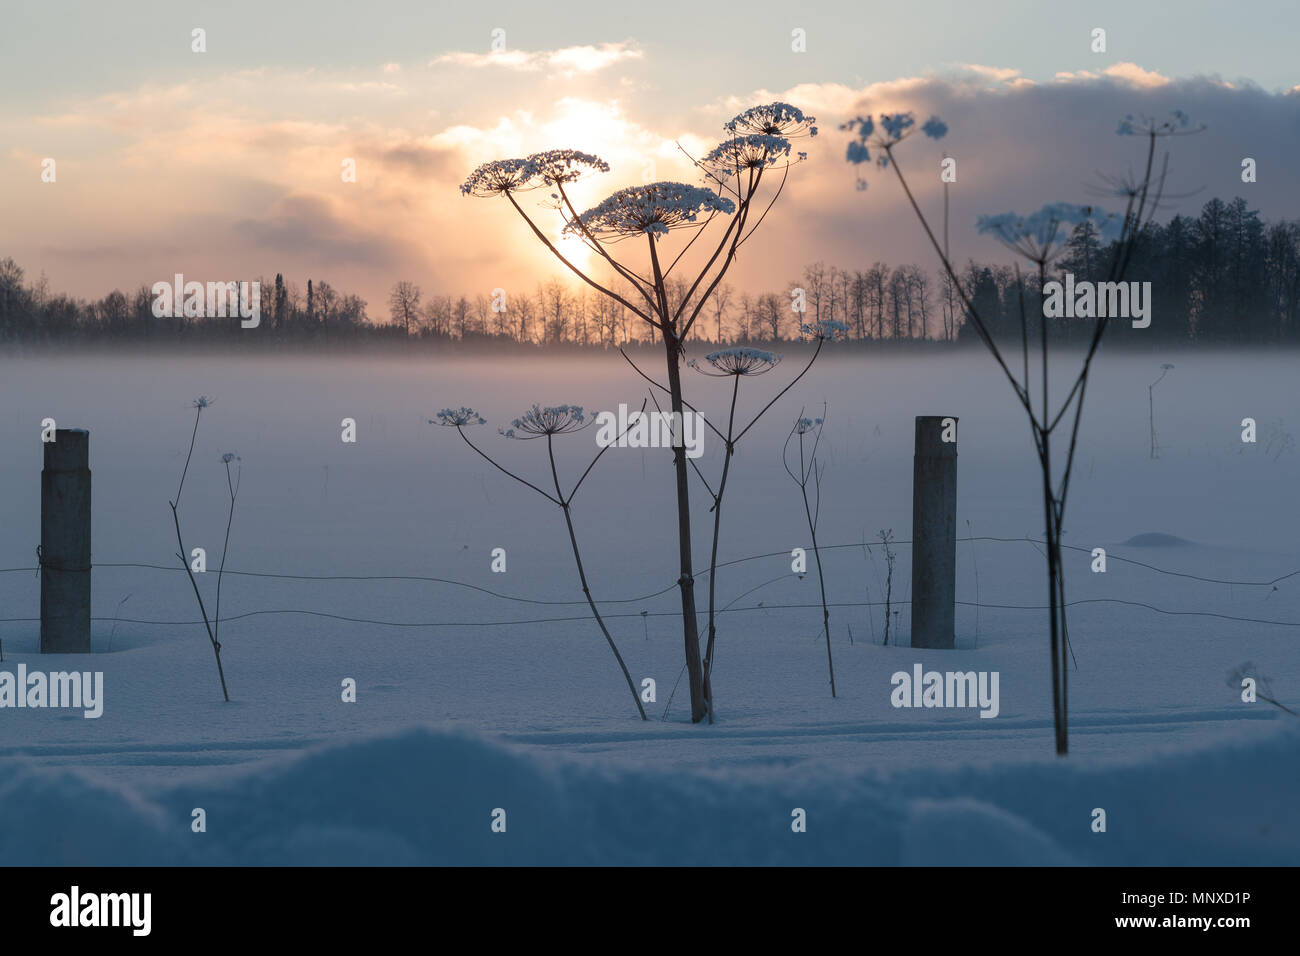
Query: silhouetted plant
[[1151, 408], [757, 144], [810, 472], [232, 485], [547, 423], [887, 539], [1035, 237], [734, 363], [199, 404]]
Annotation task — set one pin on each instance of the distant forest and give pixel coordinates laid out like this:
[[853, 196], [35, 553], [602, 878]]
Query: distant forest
[[1224, 277]]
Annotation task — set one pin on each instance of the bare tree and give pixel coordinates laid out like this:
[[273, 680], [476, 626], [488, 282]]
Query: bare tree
[[721, 300], [404, 304]]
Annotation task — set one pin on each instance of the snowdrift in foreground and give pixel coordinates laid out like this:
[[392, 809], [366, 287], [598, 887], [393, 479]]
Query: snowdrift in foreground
[[426, 796]]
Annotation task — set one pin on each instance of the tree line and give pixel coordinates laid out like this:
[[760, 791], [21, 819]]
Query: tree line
[[1222, 277]]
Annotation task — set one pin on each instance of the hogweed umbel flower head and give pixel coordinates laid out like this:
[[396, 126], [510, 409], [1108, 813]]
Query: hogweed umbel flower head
[[551, 420], [895, 127], [830, 330], [565, 165], [1177, 123], [738, 361], [501, 176], [1035, 236], [773, 119], [751, 151], [458, 417], [652, 209]]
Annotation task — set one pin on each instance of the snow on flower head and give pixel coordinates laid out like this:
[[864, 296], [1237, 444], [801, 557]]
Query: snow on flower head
[[751, 151], [565, 165], [896, 124], [895, 127], [740, 361], [1036, 232], [552, 420], [935, 128], [457, 417], [829, 329], [773, 119], [501, 176], [858, 151], [1132, 125], [653, 209]]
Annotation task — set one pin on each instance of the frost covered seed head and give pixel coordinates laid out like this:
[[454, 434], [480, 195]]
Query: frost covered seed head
[[896, 124], [501, 176], [804, 425], [1034, 235], [1178, 122], [828, 329], [652, 209], [202, 402], [895, 127], [565, 165], [740, 361], [773, 119], [552, 420], [935, 128], [751, 151], [458, 417]]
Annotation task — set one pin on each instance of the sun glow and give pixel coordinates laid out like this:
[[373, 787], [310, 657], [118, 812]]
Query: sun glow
[[576, 251]]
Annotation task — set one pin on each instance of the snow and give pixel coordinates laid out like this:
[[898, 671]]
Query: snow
[[456, 715], [426, 796]]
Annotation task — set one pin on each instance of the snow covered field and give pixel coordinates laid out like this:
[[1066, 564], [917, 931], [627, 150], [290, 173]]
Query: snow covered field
[[481, 702]]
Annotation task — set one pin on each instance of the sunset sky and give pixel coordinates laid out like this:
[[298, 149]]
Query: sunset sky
[[226, 164]]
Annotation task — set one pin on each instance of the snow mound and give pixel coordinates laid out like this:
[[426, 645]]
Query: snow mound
[[428, 795], [965, 832]]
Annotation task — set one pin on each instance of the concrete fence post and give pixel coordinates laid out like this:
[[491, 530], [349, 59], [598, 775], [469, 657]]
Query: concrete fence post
[[934, 531], [65, 543]]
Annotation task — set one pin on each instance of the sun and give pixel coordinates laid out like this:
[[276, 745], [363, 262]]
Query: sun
[[575, 250]]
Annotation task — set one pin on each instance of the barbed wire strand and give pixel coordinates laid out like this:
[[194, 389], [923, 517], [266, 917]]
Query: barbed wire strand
[[763, 606], [646, 597]]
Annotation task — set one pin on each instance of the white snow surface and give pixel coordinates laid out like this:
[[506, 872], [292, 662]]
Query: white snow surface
[[472, 714]]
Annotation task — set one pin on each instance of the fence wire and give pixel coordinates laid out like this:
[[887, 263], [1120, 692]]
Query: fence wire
[[728, 609]]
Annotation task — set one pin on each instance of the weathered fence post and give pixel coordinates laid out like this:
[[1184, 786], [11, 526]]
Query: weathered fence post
[[934, 531], [65, 544]]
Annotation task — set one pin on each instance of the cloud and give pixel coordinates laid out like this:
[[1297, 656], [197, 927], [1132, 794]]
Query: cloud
[[996, 74], [1127, 73], [238, 173], [1017, 147], [566, 61], [416, 157], [311, 228]]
